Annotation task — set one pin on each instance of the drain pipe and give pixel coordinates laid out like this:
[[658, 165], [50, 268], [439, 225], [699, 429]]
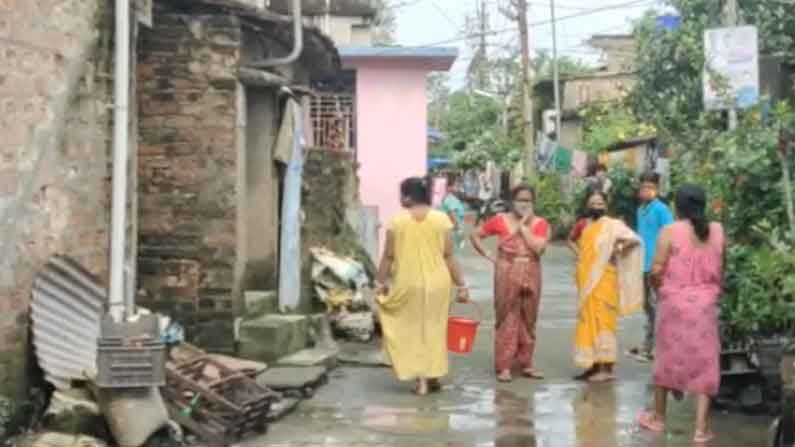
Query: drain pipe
[[121, 92], [298, 44]]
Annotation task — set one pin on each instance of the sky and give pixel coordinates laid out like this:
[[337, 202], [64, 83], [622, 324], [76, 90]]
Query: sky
[[424, 22]]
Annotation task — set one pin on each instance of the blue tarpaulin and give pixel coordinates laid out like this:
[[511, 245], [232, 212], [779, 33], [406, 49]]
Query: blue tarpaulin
[[436, 163], [435, 136]]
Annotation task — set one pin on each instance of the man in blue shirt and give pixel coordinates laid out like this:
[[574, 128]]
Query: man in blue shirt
[[653, 215]]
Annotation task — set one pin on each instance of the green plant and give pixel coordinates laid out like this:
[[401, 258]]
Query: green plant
[[623, 201], [740, 168], [553, 204], [606, 124], [760, 298]]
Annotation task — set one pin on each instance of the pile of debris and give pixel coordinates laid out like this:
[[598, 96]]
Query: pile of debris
[[113, 383], [343, 285]]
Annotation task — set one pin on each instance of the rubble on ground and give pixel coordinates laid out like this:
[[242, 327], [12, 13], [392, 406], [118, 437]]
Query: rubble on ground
[[342, 284], [55, 439], [101, 399], [292, 381]]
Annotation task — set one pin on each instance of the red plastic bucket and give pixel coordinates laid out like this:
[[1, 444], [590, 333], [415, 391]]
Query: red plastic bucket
[[461, 332]]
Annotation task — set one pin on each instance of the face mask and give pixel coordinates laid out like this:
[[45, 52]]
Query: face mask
[[596, 214]]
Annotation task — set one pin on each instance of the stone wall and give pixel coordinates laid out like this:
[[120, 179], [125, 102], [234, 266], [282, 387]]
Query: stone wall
[[189, 124], [587, 90], [54, 145], [330, 188], [619, 52]]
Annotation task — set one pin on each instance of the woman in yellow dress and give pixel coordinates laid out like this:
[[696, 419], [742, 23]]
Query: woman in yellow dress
[[610, 283], [414, 285]]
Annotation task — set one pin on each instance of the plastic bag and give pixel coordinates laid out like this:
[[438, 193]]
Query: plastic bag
[[133, 414]]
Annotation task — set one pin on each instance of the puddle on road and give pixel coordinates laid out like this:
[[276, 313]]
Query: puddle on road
[[574, 415]]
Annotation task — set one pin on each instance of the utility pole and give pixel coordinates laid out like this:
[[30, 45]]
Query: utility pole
[[520, 6], [477, 72], [556, 72], [483, 18], [731, 19]]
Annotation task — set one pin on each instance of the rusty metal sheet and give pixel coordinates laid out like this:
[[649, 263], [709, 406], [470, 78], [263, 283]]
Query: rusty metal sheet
[[68, 304]]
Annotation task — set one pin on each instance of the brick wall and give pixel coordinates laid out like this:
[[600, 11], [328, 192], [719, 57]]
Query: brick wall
[[188, 165], [53, 154]]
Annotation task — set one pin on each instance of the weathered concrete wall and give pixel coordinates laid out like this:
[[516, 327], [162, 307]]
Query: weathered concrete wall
[[54, 148], [262, 190], [619, 51], [346, 30], [588, 90], [189, 165], [330, 187]]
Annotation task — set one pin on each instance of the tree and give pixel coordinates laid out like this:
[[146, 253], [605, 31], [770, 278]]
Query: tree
[[438, 97], [740, 168], [477, 71], [668, 93], [384, 23], [567, 66], [608, 123]]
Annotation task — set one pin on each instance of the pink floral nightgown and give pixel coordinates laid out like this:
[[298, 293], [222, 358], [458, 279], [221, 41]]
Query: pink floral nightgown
[[687, 351]]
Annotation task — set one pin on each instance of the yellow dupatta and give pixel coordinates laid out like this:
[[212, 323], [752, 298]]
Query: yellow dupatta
[[629, 265]]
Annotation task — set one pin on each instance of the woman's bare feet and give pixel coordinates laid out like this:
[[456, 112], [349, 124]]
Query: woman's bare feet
[[421, 387], [533, 374], [602, 377], [504, 376], [586, 374]]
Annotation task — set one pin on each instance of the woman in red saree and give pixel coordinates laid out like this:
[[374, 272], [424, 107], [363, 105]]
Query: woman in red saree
[[523, 237]]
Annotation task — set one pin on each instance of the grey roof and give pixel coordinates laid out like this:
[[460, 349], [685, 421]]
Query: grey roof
[[431, 58], [399, 52]]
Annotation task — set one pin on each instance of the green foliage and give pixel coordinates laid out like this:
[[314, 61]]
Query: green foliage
[[762, 285], [486, 147], [608, 123], [552, 204], [623, 200], [739, 168], [668, 92], [384, 23], [482, 121], [472, 124], [543, 66]]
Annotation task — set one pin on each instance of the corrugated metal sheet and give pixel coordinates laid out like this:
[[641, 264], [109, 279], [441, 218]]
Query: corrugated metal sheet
[[67, 307]]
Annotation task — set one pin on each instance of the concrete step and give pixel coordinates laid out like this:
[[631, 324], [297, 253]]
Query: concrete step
[[320, 332], [260, 302], [326, 357], [283, 378], [272, 337], [363, 354]]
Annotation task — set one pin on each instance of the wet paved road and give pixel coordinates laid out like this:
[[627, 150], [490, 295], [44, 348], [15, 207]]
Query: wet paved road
[[368, 407]]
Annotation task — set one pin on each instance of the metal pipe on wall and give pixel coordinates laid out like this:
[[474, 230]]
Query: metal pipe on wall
[[121, 91], [298, 44]]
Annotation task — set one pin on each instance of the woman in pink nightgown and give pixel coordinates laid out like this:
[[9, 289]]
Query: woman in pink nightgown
[[688, 270]]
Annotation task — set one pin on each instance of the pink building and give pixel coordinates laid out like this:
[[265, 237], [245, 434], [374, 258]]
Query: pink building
[[387, 124]]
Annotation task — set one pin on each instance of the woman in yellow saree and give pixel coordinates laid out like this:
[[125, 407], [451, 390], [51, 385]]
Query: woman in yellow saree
[[415, 284], [610, 283]]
